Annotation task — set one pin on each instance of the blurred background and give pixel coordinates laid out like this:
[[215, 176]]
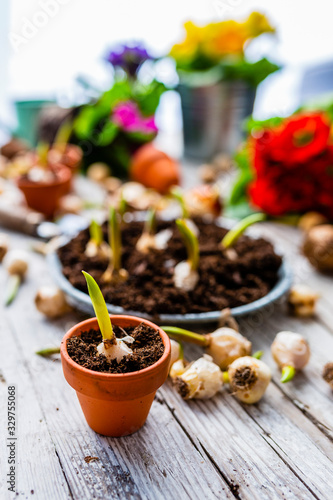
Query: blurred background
[[68, 39], [210, 78]]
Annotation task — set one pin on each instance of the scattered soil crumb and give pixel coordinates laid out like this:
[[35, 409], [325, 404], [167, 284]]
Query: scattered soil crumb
[[89, 459], [328, 373], [234, 488]]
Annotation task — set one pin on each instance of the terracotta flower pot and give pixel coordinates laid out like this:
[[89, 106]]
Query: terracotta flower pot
[[115, 404], [154, 169], [44, 197]]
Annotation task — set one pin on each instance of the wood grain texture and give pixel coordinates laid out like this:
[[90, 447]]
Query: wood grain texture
[[279, 448]]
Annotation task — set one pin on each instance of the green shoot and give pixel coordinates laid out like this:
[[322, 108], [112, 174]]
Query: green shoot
[[42, 153], [186, 335], [115, 239], [49, 351], [96, 233], [13, 286], [100, 308], [288, 373], [150, 224], [181, 351], [178, 195], [63, 135], [225, 376], [232, 236], [191, 242], [122, 204], [258, 354]]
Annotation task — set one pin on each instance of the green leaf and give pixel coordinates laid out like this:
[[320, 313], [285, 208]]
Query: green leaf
[[63, 135], [148, 96], [99, 305], [186, 335], [245, 176], [49, 351], [115, 239], [191, 243], [177, 193], [42, 153], [232, 236], [108, 134], [252, 73], [96, 233], [251, 125], [13, 287], [150, 224]]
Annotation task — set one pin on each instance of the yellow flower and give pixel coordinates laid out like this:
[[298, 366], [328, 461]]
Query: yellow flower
[[219, 40], [224, 38], [185, 51], [257, 24]]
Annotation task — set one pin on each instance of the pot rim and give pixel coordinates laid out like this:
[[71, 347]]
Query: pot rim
[[115, 376], [24, 183]]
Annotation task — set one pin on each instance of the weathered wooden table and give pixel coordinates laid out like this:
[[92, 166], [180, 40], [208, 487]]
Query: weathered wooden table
[[279, 448]]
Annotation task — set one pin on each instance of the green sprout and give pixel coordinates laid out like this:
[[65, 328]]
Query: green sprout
[[63, 134], [115, 239], [233, 235], [49, 351], [217, 344], [150, 223], [177, 194], [288, 373], [191, 243], [186, 335], [42, 150], [12, 289], [99, 305], [258, 354], [96, 233], [122, 204], [96, 244], [114, 272]]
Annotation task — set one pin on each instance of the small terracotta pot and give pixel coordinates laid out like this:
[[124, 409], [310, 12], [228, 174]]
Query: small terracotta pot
[[44, 197], [115, 404], [154, 169]]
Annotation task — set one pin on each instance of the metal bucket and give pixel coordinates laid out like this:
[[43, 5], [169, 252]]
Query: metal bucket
[[213, 116]]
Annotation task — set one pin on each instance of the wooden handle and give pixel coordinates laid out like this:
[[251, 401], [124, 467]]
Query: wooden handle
[[20, 219]]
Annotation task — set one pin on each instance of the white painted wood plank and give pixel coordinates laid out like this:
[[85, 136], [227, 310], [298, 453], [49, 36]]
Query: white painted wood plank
[[38, 471], [158, 462]]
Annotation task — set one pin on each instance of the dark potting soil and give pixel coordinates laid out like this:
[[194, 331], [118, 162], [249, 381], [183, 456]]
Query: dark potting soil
[[150, 288], [147, 348]]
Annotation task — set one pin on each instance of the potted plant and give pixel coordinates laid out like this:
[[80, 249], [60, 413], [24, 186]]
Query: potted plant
[[122, 119], [114, 394], [43, 184], [61, 151], [217, 82]]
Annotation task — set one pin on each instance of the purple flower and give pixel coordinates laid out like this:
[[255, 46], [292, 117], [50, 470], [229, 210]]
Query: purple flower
[[128, 57], [129, 118]]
